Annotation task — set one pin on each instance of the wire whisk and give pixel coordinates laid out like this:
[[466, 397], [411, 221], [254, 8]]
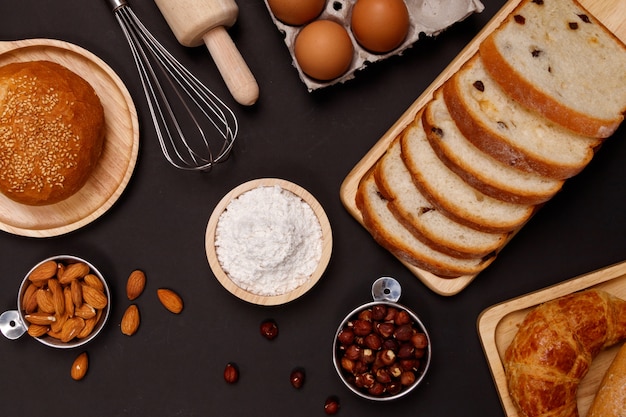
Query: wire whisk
[[193, 153]]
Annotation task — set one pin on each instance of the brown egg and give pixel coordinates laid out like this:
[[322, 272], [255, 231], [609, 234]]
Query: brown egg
[[323, 50], [296, 12], [380, 25]]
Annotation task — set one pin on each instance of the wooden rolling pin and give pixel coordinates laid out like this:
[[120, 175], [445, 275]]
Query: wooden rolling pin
[[195, 22]]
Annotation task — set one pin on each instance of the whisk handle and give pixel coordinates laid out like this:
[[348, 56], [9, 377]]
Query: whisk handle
[[232, 67]]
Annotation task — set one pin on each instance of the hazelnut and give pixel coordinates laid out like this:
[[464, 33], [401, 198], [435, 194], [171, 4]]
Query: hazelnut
[[388, 357], [419, 353], [393, 388], [347, 364], [231, 373], [406, 351], [331, 406], [407, 378], [419, 340], [373, 341], [377, 389], [365, 315], [346, 337], [379, 311], [409, 364], [390, 344], [383, 376], [403, 333], [402, 317], [391, 314], [353, 352], [367, 356], [362, 327], [297, 378], [269, 329], [395, 370], [385, 329]]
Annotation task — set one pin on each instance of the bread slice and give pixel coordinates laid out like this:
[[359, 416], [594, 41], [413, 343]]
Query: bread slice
[[555, 58], [422, 219], [476, 167], [508, 131], [397, 239], [450, 194]]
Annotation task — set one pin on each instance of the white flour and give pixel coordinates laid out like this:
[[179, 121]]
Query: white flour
[[269, 241]]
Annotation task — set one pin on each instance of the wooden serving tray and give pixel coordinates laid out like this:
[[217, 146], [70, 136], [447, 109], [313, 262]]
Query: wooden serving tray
[[498, 325], [612, 13], [119, 153]]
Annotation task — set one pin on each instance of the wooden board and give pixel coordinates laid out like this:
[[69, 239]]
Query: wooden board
[[222, 276], [612, 13], [497, 326], [119, 154]]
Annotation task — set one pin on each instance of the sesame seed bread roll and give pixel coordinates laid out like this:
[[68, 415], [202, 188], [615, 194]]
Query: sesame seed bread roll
[[393, 236], [610, 400], [509, 131], [480, 170], [555, 58], [51, 132], [418, 215], [451, 194]]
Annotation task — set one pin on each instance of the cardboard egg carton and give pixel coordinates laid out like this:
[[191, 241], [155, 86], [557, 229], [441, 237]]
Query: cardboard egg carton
[[428, 17]]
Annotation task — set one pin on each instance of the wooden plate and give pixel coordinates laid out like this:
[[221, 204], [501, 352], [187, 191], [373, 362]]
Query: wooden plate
[[497, 326], [224, 279], [119, 154], [612, 13]]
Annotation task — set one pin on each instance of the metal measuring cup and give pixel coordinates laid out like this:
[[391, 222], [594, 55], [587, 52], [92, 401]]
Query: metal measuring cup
[[13, 323]]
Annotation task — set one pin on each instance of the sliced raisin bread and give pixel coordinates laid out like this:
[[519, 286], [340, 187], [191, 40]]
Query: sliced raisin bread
[[508, 131], [555, 58], [451, 194], [418, 215], [476, 167], [397, 239]]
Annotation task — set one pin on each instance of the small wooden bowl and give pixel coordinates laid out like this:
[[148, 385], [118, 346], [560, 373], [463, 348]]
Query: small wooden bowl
[[225, 280]]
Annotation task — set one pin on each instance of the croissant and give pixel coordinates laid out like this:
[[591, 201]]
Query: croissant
[[554, 347]]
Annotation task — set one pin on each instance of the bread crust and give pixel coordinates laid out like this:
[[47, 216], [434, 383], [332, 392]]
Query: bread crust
[[610, 400], [52, 128], [524, 91]]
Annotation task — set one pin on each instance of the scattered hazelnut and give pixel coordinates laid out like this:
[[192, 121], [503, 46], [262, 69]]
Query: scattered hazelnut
[[297, 378], [269, 329], [331, 406], [231, 373]]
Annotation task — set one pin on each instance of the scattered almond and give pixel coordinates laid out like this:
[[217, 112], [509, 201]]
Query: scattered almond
[[135, 284], [170, 300], [80, 366], [43, 272], [130, 320]]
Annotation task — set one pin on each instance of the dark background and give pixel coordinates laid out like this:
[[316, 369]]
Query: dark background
[[173, 365]]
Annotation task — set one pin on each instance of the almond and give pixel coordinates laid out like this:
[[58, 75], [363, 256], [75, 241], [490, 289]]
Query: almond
[[69, 304], [85, 311], [45, 301], [94, 281], [57, 295], [41, 318], [130, 320], [77, 293], [135, 284], [94, 297], [36, 330], [71, 328], [29, 300], [80, 366], [90, 324], [170, 300], [43, 272], [73, 271]]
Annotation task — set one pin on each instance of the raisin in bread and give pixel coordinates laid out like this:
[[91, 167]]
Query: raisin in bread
[[397, 239], [479, 169], [418, 215], [555, 58], [451, 194], [508, 131]]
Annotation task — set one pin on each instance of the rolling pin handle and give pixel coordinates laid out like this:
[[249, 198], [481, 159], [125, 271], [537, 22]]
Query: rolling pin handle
[[232, 67]]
